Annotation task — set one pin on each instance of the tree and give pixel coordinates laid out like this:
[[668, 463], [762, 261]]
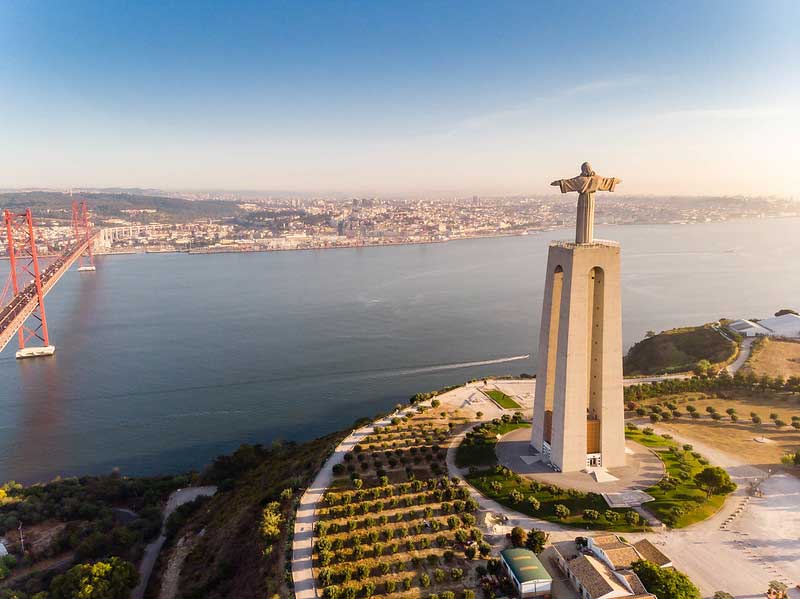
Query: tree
[[714, 480], [702, 367], [784, 311], [632, 518], [665, 583], [722, 595], [534, 503], [591, 515], [110, 579], [561, 511], [777, 589], [536, 540], [517, 536]]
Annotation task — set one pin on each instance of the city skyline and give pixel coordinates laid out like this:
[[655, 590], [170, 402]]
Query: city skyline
[[682, 99]]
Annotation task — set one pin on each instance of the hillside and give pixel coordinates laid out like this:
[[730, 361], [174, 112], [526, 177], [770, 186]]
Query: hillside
[[234, 544], [111, 205], [677, 350]]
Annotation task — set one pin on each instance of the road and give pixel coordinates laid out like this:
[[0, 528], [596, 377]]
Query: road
[[749, 541], [176, 499], [744, 352], [302, 545]]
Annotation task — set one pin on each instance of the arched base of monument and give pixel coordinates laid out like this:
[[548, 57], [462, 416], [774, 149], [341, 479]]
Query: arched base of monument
[[642, 470]]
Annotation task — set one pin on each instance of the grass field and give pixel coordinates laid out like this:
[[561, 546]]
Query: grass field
[[504, 401], [774, 358], [737, 438], [677, 350], [480, 450], [686, 503]]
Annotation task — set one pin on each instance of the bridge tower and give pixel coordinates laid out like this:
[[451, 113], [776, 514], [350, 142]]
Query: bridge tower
[[82, 231], [24, 262]]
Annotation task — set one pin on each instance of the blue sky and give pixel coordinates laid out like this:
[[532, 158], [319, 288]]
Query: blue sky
[[401, 97]]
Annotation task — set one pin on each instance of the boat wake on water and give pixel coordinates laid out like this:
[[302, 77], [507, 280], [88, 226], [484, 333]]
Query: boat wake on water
[[331, 376], [454, 366]]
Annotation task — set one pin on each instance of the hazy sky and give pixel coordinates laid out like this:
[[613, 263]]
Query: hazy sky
[[387, 97]]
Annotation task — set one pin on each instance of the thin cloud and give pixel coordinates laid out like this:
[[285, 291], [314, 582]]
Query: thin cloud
[[745, 113], [483, 120]]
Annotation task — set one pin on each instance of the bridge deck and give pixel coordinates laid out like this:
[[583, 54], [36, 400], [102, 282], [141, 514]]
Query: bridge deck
[[14, 314]]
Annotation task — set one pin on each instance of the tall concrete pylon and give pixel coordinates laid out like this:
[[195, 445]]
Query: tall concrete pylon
[[578, 415]]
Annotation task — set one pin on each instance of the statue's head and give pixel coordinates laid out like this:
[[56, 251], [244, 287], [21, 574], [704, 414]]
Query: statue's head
[[586, 170]]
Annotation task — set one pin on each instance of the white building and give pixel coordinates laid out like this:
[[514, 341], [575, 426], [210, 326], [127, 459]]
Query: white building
[[786, 325], [529, 576], [747, 328]]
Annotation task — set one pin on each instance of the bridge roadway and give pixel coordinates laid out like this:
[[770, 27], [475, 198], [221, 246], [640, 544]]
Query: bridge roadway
[[22, 305]]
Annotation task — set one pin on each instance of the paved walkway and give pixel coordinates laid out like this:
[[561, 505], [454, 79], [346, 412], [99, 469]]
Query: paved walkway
[[744, 353], [302, 545], [643, 469], [489, 507]]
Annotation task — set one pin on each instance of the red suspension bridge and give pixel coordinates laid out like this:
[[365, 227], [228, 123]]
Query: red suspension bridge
[[22, 300]]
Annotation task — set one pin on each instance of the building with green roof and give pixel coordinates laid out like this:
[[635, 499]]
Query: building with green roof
[[526, 572]]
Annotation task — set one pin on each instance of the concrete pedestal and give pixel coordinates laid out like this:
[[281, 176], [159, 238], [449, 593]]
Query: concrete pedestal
[[578, 414]]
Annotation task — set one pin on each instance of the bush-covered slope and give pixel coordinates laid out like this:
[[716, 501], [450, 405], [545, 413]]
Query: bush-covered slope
[[239, 538], [677, 350]]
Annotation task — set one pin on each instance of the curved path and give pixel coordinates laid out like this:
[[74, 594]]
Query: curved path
[[302, 544], [745, 348], [489, 507], [176, 499]]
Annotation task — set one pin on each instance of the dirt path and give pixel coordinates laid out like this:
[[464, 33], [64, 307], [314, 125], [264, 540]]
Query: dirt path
[[177, 499], [172, 573]]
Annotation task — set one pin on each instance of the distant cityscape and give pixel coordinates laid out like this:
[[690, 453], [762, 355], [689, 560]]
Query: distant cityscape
[[137, 222]]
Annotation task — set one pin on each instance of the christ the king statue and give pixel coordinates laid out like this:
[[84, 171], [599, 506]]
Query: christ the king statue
[[586, 184]]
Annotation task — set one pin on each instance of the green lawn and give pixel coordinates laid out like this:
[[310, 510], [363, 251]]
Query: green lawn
[[503, 400], [686, 503], [549, 497], [479, 451]]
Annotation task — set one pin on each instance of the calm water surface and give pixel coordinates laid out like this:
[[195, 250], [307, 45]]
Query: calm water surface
[[165, 361]]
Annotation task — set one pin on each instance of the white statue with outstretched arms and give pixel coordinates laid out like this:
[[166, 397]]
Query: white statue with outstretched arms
[[586, 184]]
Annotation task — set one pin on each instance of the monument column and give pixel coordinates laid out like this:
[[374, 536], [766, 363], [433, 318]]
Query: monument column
[[578, 417]]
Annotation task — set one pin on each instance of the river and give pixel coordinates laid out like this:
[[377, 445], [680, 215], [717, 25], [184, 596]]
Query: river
[[165, 360]]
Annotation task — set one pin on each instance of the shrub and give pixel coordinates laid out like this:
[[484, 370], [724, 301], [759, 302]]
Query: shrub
[[591, 515], [611, 516], [424, 580], [561, 511]]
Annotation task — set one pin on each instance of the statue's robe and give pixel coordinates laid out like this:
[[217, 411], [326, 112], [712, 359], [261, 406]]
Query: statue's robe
[[586, 186]]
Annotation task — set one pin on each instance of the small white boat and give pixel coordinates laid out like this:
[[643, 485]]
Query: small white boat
[[86, 269]]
